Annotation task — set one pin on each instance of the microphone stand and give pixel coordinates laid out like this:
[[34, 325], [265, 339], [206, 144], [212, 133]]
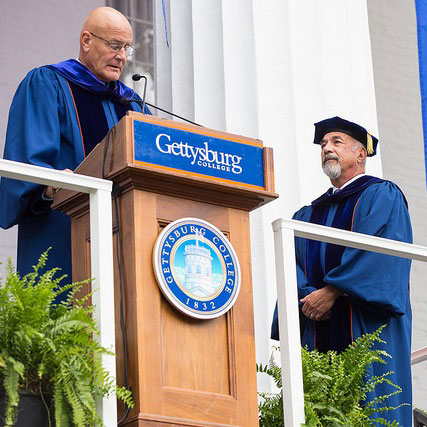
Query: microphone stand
[[172, 114], [137, 77]]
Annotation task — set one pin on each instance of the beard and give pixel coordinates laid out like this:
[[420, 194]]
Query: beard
[[332, 170]]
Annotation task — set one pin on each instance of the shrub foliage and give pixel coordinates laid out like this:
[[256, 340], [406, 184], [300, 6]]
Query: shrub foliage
[[51, 348], [334, 387]]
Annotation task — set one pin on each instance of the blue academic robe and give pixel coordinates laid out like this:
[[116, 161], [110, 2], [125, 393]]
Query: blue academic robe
[[44, 130], [376, 286]]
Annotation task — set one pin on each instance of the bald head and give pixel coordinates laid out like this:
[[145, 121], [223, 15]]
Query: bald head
[[106, 18], [104, 25]]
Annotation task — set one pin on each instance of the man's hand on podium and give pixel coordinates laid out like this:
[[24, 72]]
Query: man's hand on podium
[[50, 191]]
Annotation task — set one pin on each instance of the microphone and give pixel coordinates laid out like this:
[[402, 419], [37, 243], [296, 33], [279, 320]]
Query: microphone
[[137, 78]]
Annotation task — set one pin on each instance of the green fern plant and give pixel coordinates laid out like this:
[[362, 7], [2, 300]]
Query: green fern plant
[[51, 348], [271, 404], [334, 386]]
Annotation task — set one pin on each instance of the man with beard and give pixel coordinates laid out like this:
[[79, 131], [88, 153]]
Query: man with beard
[[343, 292], [60, 112]]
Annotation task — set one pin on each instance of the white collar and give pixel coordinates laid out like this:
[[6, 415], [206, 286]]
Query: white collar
[[335, 189]]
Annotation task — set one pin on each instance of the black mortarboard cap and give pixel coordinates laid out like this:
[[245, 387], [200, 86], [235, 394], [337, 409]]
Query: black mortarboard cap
[[337, 124]]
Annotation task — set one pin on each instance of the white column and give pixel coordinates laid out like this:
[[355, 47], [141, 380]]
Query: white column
[[182, 62], [277, 129], [208, 62], [313, 61], [162, 59], [241, 101]]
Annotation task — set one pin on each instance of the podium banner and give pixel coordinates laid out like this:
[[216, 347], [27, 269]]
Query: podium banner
[[200, 152]]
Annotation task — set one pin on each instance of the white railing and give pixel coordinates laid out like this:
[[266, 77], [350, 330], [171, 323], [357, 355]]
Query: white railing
[[101, 254], [419, 356], [285, 230]]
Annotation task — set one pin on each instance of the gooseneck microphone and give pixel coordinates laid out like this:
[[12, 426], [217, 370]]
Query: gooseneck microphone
[[137, 77]]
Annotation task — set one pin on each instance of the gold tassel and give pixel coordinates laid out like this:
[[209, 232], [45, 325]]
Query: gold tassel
[[370, 145]]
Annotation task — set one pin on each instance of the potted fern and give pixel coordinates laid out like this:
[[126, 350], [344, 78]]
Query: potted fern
[[334, 387], [49, 349]]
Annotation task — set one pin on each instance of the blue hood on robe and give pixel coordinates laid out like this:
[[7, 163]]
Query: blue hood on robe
[[76, 72]]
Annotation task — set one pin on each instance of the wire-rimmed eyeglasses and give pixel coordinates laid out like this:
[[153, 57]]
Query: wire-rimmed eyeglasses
[[116, 46]]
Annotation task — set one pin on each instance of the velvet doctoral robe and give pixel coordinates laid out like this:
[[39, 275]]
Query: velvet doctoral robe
[[375, 286], [58, 115]]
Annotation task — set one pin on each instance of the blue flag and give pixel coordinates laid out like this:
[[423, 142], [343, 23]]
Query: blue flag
[[421, 9]]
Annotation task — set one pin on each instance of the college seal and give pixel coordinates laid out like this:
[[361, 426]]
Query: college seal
[[196, 268]]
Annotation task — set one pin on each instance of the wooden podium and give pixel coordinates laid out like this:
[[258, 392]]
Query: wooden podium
[[182, 371]]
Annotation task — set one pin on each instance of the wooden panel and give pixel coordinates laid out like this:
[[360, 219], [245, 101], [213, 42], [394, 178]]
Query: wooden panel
[[247, 406], [119, 152], [172, 208], [147, 301], [202, 407], [203, 355], [121, 334], [150, 420], [191, 358], [80, 252], [268, 169], [126, 243]]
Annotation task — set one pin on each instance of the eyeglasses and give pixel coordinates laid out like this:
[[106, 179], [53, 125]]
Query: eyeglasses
[[117, 46]]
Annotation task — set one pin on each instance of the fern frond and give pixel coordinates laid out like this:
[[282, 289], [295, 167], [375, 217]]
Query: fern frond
[[335, 385], [50, 346]]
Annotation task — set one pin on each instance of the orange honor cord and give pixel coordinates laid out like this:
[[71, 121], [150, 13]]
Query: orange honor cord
[[78, 119]]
